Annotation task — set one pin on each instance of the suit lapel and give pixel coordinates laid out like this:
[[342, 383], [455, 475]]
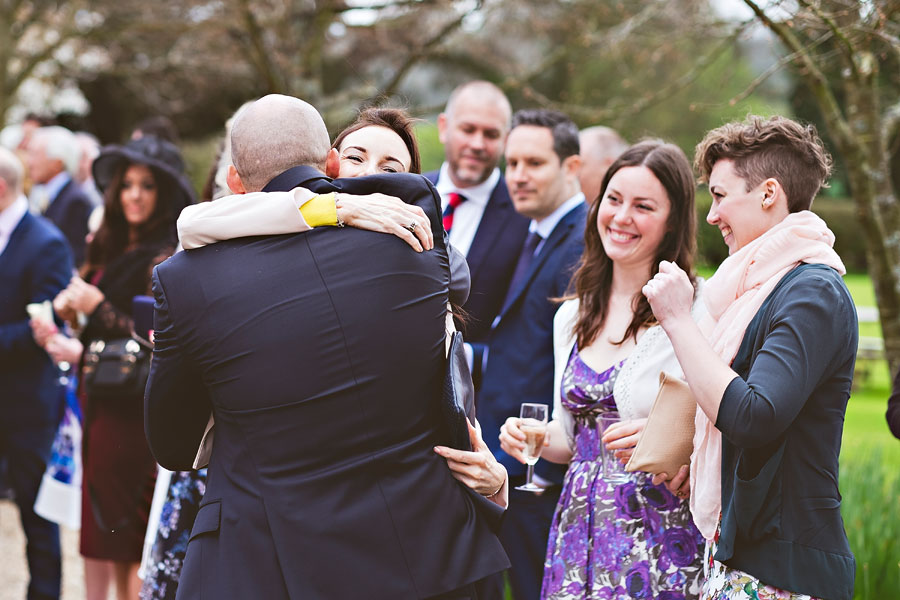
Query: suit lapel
[[16, 239], [497, 213], [562, 232], [55, 210]]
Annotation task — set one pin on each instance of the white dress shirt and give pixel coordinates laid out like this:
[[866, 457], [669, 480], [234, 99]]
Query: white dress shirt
[[467, 215], [545, 226], [9, 219]]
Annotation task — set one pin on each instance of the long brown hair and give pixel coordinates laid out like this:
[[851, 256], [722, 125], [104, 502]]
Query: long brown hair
[[593, 279], [112, 237]]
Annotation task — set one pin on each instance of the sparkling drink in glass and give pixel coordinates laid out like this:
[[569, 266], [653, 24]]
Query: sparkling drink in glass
[[533, 423]]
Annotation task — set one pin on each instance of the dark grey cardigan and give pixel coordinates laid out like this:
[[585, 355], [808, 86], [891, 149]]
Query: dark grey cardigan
[[781, 423]]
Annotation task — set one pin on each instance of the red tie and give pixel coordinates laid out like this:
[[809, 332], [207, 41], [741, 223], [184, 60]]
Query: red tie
[[453, 200]]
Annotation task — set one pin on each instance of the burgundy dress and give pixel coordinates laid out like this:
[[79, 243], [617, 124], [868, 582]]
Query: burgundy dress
[[119, 471]]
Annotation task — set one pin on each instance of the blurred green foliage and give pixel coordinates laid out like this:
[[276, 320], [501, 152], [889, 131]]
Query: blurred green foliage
[[430, 148], [870, 483]]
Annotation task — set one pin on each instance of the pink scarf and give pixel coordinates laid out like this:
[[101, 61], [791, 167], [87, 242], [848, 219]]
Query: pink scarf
[[733, 296]]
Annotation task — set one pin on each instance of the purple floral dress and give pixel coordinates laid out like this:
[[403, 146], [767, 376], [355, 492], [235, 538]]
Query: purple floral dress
[[607, 541]]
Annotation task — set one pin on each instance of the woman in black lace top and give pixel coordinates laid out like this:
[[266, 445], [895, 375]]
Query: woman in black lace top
[[144, 191]]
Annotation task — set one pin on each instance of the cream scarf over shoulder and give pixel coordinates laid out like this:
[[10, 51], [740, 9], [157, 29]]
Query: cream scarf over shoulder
[[733, 296]]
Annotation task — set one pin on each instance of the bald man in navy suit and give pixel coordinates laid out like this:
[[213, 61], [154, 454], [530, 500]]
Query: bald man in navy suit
[[321, 356]]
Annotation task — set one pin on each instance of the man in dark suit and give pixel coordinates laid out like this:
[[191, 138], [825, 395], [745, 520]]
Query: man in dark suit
[[321, 355], [35, 265], [542, 166], [53, 155], [478, 213]]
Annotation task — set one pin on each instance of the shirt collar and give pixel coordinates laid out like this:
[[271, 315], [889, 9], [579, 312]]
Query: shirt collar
[[56, 184], [10, 217], [546, 226], [476, 194]]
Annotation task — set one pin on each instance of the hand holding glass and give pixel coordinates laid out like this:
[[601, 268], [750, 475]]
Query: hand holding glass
[[533, 423], [613, 469]]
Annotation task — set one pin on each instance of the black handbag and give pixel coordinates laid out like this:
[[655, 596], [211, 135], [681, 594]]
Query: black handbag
[[116, 368], [458, 398]]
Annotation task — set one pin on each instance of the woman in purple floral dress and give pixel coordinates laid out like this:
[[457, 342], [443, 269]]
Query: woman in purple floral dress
[[632, 539]]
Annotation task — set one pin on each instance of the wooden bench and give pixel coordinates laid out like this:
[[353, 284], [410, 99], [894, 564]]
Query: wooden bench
[[870, 348]]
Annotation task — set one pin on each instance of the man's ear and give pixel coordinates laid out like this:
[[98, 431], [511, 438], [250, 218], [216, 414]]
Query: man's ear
[[572, 165], [442, 128], [234, 181], [333, 163]]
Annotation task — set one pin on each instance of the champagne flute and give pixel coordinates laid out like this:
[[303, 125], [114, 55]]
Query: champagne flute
[[533, 423]]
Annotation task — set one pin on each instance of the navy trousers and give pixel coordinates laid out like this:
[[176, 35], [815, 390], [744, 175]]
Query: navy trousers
[[524, 533], [27, 450]]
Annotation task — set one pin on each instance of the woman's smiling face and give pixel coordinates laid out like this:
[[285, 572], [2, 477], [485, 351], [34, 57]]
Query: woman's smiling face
[[737, 212], [372, 150], [633, 216]]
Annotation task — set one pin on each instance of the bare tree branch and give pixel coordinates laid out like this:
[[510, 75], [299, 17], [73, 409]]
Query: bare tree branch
[[782, 62], [815, 78], [844, 42], [389, 4], [581, 112], [617, 35], [611, 39], [260, 55], [892, 41], [32, 61], [418, 54]]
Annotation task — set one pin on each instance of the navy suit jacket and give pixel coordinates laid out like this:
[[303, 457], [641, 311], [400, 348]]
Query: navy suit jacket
[[520, 360], [70, 211], [35, 266], [492, 260], [321, 355]]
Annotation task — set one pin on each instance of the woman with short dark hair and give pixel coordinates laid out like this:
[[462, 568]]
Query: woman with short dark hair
[[771, 369]]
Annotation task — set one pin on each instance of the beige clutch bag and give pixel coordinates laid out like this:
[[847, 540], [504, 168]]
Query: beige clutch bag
[[204, 452], [668, 438]]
